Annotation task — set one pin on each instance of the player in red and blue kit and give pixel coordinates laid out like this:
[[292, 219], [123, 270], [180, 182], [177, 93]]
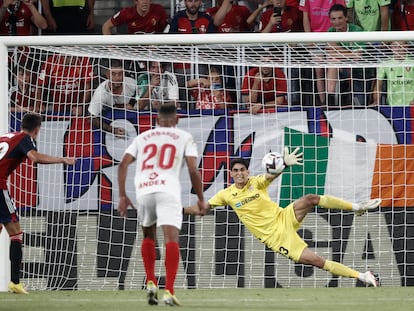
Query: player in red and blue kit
[[14, 149]]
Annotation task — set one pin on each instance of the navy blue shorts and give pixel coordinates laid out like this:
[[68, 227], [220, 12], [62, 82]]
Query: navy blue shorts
[[8, 211]]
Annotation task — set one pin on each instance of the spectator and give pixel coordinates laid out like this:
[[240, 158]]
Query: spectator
[[69, 17], [156, 87], [117, 91], [230, 17], [65, 83], [281, 18], [261, 7], [209, 92], [371, 15], [190, 20], [403, 15], [264, 87], [316, 19], [23, 94], [339, 22], [316, 14], [144, 17], [17, 18], [399, 78]]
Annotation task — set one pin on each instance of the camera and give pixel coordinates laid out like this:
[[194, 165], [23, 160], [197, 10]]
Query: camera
[[277, 11]]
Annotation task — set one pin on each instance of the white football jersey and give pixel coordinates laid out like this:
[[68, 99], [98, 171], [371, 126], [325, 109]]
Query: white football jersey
[[104, 98], [165, 92], [159, 157]]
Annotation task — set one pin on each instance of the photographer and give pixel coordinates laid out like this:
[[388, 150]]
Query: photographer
[[281, 18]]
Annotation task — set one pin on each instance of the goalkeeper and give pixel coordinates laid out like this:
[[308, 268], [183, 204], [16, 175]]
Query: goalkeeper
[[277, 227]]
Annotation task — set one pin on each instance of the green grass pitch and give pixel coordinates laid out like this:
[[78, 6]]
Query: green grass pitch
[[320, 299]]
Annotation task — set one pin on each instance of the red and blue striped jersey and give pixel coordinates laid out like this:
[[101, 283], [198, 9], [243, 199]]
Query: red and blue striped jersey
[[13, 151]]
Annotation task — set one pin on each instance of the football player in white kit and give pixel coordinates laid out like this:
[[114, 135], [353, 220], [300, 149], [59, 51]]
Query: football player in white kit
[[159, 154]]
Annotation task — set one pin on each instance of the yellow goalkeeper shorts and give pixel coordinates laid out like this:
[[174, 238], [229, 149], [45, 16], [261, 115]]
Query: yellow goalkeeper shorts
[[285, 240]]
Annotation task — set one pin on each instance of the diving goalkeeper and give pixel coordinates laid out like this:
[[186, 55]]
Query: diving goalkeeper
[[277, 227]]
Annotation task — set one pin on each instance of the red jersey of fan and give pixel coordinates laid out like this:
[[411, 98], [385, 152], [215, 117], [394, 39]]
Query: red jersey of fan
[[13, 151], [235, 20], [294, 3], [64, 78], [274, 87], [154, 21], [22, 19], [292, 20], [403, 16], [210, 99], [182, 24]]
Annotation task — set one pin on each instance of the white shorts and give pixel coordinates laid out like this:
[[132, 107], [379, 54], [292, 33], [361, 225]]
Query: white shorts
[[160, 208]]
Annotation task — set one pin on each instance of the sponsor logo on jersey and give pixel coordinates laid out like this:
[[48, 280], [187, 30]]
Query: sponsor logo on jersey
[[150, 183], [247, 200]]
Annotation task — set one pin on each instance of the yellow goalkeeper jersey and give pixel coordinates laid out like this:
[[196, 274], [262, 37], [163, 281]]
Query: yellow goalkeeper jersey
[[252, 205]]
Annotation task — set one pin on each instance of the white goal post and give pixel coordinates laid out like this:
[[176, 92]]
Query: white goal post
[[73, 237]]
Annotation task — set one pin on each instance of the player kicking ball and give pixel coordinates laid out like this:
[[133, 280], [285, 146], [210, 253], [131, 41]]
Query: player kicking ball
[[277, 227], [14, 149]]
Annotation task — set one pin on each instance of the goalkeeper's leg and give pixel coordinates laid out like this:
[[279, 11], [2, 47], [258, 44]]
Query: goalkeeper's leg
[[336, 268], [303, 205], [329, 201]]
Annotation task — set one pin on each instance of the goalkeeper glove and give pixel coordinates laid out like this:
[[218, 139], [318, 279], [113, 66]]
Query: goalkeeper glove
[[293, 158]]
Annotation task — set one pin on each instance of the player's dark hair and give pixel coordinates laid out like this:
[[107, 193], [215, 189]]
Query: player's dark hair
[[215, 69], [31, 121], [115, 63], [238, 161], [338, 7], [167, 110]]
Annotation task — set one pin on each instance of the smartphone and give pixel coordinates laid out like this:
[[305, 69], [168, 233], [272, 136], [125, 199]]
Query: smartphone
[[277, 10]]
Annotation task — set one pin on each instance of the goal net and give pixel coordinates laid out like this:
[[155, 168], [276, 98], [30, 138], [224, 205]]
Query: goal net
[[322, 96]]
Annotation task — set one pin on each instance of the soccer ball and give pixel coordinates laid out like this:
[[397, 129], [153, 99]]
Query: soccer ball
[[273, 163]]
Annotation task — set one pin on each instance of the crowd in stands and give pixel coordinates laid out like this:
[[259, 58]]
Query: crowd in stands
[[67, 82]]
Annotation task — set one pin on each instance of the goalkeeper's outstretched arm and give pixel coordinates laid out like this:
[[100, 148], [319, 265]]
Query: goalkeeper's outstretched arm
[[271, 177]]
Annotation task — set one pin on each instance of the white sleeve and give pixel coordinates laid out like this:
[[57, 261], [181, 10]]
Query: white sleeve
[[131, 87], [133, 148], [172, 86], [95, 106], [191, 148]]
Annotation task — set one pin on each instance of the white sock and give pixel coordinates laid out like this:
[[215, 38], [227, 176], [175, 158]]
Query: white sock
[[361, 277], [356, 207]]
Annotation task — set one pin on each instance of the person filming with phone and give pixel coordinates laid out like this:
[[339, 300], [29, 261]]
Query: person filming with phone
[[281, 18]]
